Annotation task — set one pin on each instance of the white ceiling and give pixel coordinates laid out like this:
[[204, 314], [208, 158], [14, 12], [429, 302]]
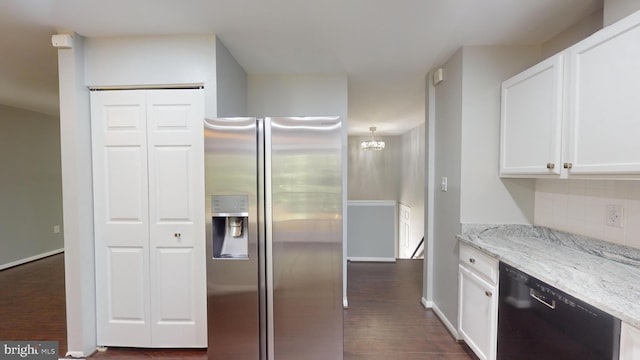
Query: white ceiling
[[384, 46]]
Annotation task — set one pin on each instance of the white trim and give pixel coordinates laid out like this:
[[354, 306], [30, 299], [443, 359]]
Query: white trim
[[345, 302], [31, 258], [371, 259], [426, 304], [76, 354], [452, 329]]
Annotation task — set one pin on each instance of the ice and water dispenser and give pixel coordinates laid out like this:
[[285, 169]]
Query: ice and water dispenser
[[230, 226]]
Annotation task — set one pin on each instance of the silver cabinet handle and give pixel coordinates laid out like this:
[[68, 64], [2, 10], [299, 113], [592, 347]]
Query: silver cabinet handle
[[488, 293], [551, 165], [535, 296], [472, 260], [568, 165]]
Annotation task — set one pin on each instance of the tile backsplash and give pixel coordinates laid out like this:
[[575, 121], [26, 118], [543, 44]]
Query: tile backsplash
[[580, 207]]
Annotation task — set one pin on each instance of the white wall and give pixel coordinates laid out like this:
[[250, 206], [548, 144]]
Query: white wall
[[110, 62], [579, 31], [412, 183], [77, 198], [447, 158], [153, 61], [467, 117], [396, 173], [372, 230], [298, 95], [375, 175], [579, 206], [615, 10], [31, 185], [231, 83], [485, 198], [429, 190]]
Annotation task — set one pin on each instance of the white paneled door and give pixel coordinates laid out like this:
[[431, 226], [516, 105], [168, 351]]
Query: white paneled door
[[149, 211], [405, 232]]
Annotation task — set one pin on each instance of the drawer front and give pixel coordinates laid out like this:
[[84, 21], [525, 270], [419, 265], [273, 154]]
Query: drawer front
[[479, 262]]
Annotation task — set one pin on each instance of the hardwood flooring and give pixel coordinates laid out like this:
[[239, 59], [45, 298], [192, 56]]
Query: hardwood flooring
[[385, 319], [32, 302]]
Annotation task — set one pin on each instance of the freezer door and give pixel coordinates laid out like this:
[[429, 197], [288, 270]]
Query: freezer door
[[232, 280], [304, 237]]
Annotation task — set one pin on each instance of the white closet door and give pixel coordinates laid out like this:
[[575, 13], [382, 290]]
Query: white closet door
[[119, 135], [149, 217], [176, 209]]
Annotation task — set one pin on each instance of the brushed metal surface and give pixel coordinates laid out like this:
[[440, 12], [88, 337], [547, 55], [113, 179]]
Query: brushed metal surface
[[285, 301], [303, 157], [232, 284]]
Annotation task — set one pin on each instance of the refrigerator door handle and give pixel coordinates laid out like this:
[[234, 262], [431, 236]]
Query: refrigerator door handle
[[268, 236]]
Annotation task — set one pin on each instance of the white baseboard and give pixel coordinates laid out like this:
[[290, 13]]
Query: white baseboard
[[76, 354], [426, 304], [30, 259], [452, 329], [371, 259]]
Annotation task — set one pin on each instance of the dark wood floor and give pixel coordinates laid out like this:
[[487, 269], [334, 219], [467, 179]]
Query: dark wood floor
[[385, 319]]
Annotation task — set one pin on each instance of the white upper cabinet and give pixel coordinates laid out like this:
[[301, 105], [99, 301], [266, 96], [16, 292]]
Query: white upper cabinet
[[577, 114], [531, 120], [604, 111]]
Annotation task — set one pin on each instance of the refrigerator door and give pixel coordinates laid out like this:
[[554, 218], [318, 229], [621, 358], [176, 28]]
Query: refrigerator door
[[231, 197], [304, 237]]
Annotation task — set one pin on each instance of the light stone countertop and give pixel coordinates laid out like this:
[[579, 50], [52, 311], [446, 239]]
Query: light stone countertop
[[602, 274]]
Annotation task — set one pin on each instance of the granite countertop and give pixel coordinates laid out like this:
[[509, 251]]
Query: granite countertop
[[602, 274]]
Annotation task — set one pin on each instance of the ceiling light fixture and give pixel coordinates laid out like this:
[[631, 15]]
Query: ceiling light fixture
[[372, 144]]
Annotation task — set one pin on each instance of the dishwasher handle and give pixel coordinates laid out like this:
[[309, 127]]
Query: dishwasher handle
[[534, 294]]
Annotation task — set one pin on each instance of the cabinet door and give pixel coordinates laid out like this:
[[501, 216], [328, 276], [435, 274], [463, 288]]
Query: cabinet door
[[121, 220], [604, 116], [477, 314], [531, 120], [176, 218], [629, 342]]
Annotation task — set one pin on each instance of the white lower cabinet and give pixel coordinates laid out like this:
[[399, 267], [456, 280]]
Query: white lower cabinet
[[629, 342], [478, 302], [148, 174]]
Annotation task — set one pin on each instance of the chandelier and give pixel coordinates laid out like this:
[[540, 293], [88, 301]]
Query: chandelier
[[372, 144]]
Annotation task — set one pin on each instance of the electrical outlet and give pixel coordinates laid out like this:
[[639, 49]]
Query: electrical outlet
[[614, 215], [56, 229]]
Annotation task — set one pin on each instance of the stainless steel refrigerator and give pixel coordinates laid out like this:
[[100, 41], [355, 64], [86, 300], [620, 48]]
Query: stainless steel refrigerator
[[274, 238]]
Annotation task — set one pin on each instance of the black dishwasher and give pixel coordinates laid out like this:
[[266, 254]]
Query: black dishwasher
[[538, 321]]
